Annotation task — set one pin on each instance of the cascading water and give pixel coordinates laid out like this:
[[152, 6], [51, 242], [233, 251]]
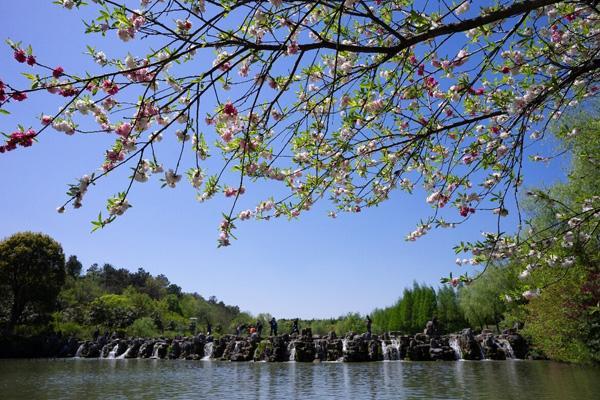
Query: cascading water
[[79, 350], [103, 350], [344, 349], [505, 345], [390, 351], [113, 352], [481, 352], [124, 355], [453, 342], [236, 348], [320, 350], [208, 350], [292, 351], [155, 350]]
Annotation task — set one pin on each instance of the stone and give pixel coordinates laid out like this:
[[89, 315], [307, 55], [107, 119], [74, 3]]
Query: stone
[[469, 346]]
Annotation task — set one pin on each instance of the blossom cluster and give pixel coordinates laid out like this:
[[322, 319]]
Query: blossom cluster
[[346, 103], [19, 138]]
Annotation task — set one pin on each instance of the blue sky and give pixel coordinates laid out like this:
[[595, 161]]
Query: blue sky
[[312, 267]]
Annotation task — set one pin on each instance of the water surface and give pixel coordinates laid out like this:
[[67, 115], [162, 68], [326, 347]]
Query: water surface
[[178, 379]]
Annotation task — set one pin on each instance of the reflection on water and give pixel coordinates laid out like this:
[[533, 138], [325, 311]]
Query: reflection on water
[[164, 379]]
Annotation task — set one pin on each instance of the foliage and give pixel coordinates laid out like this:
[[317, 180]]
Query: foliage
[[143, 327], [117, 299], [32, 271], [557, 260], [418, 305], [482, 300], [352, 322], [567, 277], [555, 323], [449, 312], [73, 266]]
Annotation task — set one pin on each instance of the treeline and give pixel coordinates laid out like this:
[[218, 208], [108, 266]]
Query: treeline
[[417, 306], [41, 293], [137, 304]]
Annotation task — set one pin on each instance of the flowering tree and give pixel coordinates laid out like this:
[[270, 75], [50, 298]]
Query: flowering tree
[[343, 100]]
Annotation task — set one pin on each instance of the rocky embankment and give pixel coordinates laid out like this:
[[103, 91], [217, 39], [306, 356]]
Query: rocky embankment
[[304, 347]]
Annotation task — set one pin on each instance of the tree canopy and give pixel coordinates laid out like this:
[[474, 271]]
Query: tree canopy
[[32, 270], [345, 101]]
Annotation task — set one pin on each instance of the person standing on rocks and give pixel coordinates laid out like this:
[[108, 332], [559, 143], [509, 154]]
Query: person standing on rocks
[[259, 327], [240, 329], [273, 323], [369, 322], [208, 328], [295, 328]]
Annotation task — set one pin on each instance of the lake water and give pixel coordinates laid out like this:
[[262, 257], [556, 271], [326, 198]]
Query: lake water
[[176, 379]]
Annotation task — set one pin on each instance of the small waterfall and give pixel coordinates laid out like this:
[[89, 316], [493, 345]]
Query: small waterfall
[[236, 348], [453, 342], [113, 352], [391, 351], [124, 355], [292, 351], [320, 352], [344, 349], [481, 351], [79, 350], [155, 350], [102, 350], [505, 345], [208, 350]]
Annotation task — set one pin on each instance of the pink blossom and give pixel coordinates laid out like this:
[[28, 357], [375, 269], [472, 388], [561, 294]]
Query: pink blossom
[[244, 69], [58, 72], [230, 110], [227, 135], [123, 129], [110, 87], [292, 48], [20, 55], [230, 192], [19, 96]]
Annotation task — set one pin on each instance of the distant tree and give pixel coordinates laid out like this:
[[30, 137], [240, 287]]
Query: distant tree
[[174, 289], [352, 322], [138, 279], [93, 271], [157, 287], [112, 310], [448, 309], [32, 269], [73, 266], [114, 280], [424, 306], [405, 311], [482, 301]]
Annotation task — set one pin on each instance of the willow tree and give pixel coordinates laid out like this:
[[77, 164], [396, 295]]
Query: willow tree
[[345, 101]]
